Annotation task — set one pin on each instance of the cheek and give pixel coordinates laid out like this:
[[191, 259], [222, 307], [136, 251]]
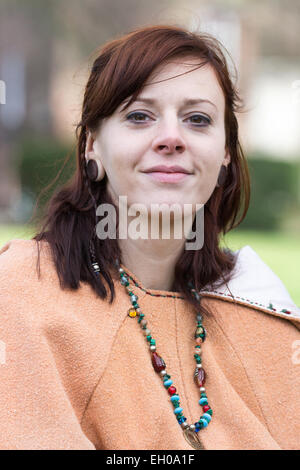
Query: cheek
[[210, 159], [212, 149], [119, 167], [208, 164], [117, 161]]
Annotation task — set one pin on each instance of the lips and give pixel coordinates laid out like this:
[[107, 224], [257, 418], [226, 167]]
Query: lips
[[168, 174], [167, 169]]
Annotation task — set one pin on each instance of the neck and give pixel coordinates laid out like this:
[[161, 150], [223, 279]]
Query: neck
[[152, 261]]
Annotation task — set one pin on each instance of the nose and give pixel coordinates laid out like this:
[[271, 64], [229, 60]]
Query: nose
[[168, 142]]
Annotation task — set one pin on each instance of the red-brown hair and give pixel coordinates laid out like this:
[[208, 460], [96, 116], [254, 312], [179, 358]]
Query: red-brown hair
[[120, 70]]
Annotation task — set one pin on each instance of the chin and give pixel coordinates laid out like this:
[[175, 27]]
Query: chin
[[164, 200]]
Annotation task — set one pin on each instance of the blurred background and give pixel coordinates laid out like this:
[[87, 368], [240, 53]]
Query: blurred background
[[45, 51]]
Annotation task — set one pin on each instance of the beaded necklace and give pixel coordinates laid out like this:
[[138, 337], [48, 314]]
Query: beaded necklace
[[189, 430]]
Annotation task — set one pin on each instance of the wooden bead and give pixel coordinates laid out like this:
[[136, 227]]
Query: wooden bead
[[199, 377]]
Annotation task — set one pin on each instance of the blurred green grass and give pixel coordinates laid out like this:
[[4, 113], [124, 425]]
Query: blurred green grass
[[280, 251], [8, 232]]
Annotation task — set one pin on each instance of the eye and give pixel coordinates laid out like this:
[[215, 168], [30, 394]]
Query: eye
[[137, 116], [200, 120]]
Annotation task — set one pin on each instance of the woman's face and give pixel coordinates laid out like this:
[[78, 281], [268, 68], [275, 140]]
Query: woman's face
[[176, 122]]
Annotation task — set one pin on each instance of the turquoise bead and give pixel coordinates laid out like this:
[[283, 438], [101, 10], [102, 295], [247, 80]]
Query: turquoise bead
[[207, 417], [204, 422], [178, 410], [181, 420], [203, 401], [167, 383], [175, 398], [134, 298]]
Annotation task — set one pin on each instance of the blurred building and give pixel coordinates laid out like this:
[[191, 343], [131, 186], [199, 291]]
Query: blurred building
[[45, 49]]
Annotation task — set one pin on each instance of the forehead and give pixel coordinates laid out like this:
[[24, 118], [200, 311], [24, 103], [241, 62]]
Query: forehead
[[185, 76]]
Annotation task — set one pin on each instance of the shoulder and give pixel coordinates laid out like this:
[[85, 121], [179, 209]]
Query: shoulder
[[30, 289], [24, 290], [27, 291], [18, 260], [255, 285], [17, 248], [39, 305]]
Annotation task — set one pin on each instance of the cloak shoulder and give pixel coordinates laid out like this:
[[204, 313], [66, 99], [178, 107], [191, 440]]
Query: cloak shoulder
[[255, 285]]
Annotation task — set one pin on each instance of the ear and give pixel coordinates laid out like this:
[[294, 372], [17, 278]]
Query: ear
[[94, 168], [90, 147]]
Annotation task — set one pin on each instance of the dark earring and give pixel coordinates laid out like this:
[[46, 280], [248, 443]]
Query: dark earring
[[94, 170], [222, 176]]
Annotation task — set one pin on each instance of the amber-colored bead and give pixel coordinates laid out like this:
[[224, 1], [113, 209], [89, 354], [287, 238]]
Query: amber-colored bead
[[132, 312], [157, 362], [199, 340]]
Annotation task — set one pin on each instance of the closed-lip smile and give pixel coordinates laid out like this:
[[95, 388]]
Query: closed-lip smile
[[168, 174], [167, 169]]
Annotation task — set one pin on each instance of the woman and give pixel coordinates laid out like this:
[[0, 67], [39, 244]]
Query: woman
[[121, 342]]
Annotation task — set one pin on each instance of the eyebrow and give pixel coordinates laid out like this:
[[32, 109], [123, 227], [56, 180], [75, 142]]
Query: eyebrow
[[186, 102]]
